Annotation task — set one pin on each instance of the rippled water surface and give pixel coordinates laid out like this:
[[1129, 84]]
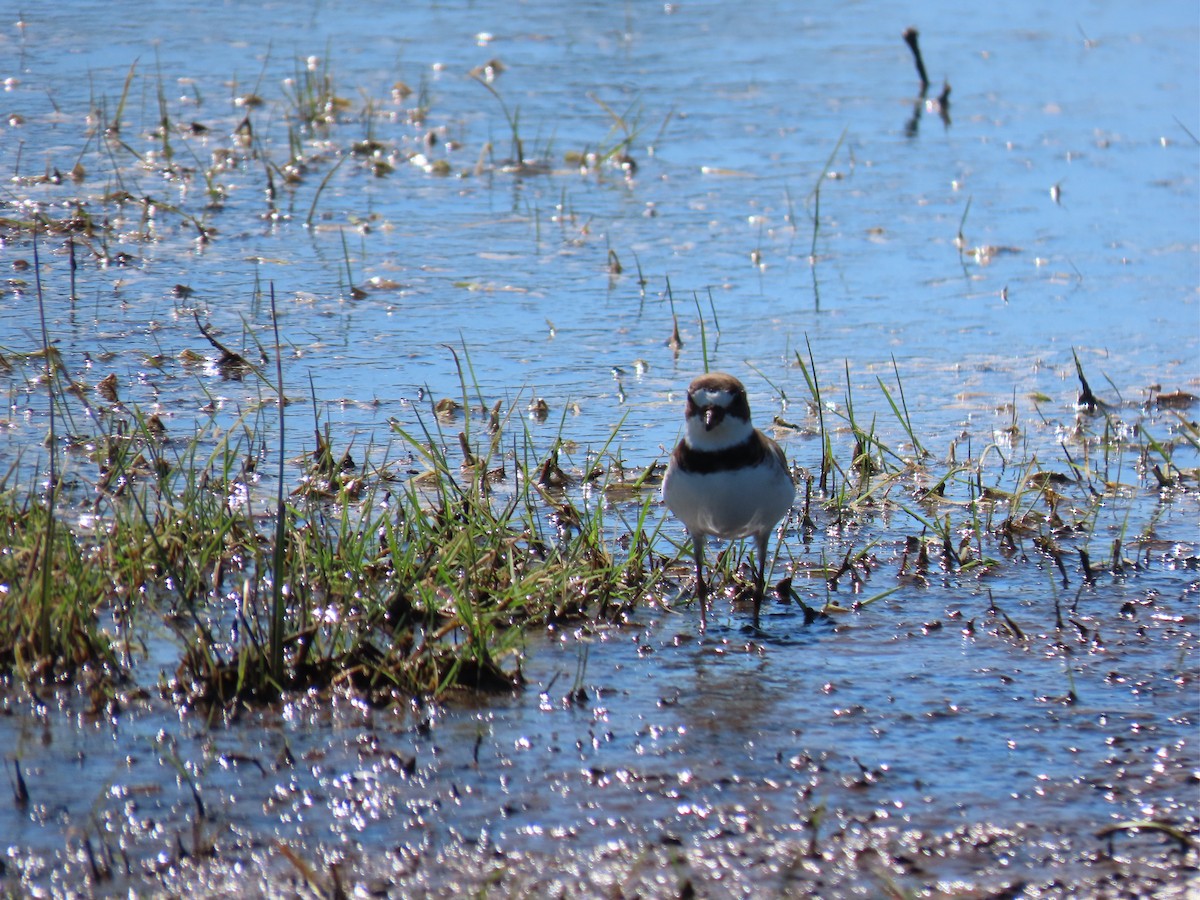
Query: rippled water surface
[[787, 193]]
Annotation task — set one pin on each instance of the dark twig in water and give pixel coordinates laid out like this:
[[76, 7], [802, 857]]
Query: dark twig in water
[[231, 365], [19, 788], [1087, 399], [910, 38], [941, 105], [1088, 575], [943, 101]]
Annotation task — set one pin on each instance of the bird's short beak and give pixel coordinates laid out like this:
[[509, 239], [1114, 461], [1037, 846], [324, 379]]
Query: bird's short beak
[[713, 416]]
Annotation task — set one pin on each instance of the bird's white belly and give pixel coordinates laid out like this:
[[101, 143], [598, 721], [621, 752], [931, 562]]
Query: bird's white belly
[[729, 504]]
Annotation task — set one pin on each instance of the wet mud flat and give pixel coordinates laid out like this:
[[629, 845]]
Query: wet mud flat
[[640, 760], [861, 860]]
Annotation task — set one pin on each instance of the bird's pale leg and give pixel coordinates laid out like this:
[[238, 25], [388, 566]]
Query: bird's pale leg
[[760, 573], [701, 587]]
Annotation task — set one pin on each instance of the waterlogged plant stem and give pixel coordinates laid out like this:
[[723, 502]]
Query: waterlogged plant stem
[[44, 641], [277, 568], [703, 332], [513, 119], [814, 388], [816, 195], [960, 241], [312, 210]]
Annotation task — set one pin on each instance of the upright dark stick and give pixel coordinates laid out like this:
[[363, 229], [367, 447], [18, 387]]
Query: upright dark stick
[[910, 38]]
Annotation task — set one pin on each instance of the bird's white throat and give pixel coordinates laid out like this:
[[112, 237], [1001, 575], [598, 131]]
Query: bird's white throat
[[729, 432]]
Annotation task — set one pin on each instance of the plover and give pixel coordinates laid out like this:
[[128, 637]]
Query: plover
[[726, 479]]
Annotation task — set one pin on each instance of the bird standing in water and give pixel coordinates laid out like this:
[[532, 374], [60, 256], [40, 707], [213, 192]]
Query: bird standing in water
[[726, 479]]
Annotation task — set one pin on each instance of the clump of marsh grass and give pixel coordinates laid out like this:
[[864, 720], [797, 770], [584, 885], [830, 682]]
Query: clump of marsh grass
[[364, 576], [416, 586], [49, 605], [518, 162], [884, 502], [1018, 494], [49, 610], [1006, 503]]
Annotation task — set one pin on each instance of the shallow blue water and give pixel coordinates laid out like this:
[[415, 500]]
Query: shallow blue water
[[734, 111]]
